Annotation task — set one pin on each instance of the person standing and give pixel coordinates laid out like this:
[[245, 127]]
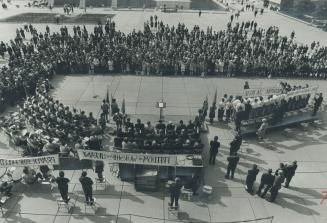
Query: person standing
[[238, 119], [289, 173], [232, 163], [235, 145], [221, 106], [279, 179], [102, 122], [267, 179], [317, 103], [262, 130], [214, 147], [87, 187], [105, 109], [175, 192], [62, 182], [251, 177], [246, 85], [99, 166], [212, 113]]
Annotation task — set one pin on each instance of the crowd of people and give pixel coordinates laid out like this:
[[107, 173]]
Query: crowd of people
[[243, 49], [161, 137], [269, 181], [51, 127], [271, 108]]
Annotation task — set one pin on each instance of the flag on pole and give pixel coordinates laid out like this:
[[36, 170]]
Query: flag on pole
[[107, 96], [123, 106], [215, 98]]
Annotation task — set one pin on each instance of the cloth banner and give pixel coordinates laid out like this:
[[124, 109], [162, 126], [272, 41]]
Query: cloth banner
[[252, 93], [131, 158], [33, 161], [304, 91]]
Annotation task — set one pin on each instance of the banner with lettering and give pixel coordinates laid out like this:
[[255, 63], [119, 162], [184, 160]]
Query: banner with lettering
[[33, 161], [131, 158], [304, 91], [251, 93]]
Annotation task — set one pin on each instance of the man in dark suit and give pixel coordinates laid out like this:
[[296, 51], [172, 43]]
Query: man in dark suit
[[279, 179], [62, 182], [214, 147], [175, 192], [251, 177], [87, 187], [290, 172], [235, 145], [238, 119], [232, 163], [267, 179]]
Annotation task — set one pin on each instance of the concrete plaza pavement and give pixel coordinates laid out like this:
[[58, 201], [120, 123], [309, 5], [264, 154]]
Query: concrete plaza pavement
[[127, 20], [121, 203], [184, 95]]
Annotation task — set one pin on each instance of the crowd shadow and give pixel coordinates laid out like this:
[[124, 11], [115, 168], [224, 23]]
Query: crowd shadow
[[295, 206]]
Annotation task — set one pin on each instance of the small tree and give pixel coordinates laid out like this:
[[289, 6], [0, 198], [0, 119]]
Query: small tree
[[304, 6]]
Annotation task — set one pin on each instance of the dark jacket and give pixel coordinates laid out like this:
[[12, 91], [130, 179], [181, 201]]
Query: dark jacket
[[267, 179], [252, 175], [175, 188], [290, 170], [99, 166], [86, 183], [232, 161], [278, 182], [214, 147], [62, 183]]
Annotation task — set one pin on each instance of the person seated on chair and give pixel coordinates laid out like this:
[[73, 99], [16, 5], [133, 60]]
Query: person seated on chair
[[30, 176], [139, 140], [51, 147], [130, 133], [149, 129], [187, 145], [46, 172], [139, 126], [190, 127], [183, 136], [118, 142], [5, 188], [180, 127], [147, 145], [64, 150], [170, 128], [160, 126], [129, 125]]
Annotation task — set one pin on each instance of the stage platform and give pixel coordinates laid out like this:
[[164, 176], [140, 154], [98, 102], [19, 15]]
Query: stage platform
[[172, 4], [290, 118]]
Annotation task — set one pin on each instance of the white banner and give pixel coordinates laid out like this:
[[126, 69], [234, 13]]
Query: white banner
[[251, 93], [132, 158], [309, 90], [33, 161]]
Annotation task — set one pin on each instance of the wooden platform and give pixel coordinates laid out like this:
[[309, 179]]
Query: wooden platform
[[290, 118]]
